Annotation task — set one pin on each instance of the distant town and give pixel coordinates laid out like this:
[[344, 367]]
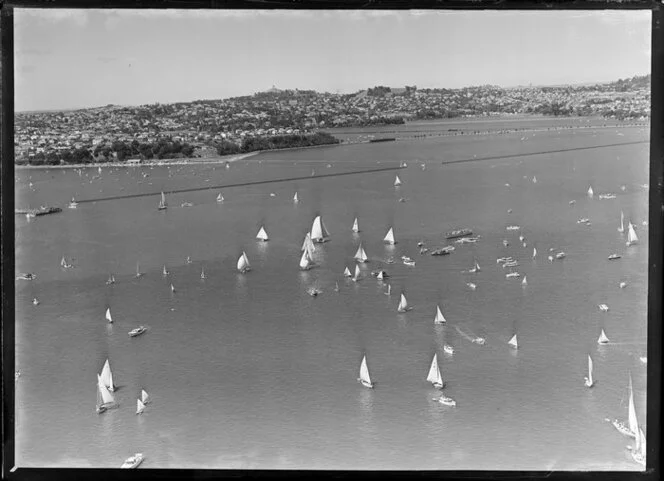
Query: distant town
[[293, 118]]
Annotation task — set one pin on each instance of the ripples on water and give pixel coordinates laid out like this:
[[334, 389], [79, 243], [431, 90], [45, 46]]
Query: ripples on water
[[250, 371]]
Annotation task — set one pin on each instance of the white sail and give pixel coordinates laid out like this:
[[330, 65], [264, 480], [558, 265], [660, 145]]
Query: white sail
[[63, 262], [364, 372], [144, 397], [360, 255], [439, 319], [357, 273], [397, 181], [631, 413], [477, 267], [347, 272], [590, 371], [631, 235], [140, 407], [602, 338], [534, 252], [105, 394], [389, 237], [220, 198], [202, 273], [434, 376], [621, 229], [243, 263], [512, 342], [524, 282], [164, 271], [641, 448], [356, 227], [305, 261], [590, 192], [318, 231], [262, 235], [380, 276], [108, 315], [403, 304], [308, 245], [295, 199], [107, 376]]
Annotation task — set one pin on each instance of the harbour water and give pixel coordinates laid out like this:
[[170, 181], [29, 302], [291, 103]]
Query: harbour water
[[249, 371]]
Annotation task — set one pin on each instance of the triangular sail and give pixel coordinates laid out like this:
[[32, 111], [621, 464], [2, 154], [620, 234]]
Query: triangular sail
[[360, 255], [397, 180], [139, 406], [305, 261], [108, 315], [590, 191], [105, 394], [590, 371], [512, 342], [243, 263], [434, 371], [318, 231], [389, 237], [439, 319], [220, 198], [364, 371], [357, 272], [295, 199], [347, 272], [107, 376], [524, 282], [202, 273], [356, 227], [144, 396], [631, 234], [602, 338], [403, 303], [631, 413], [534, 252], [622, 222], [262, 235]]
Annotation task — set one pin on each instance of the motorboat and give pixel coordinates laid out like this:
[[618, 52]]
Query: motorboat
[[603, 307], [132, 462], [613, 257], [512, 227], [458, 233], [138, 331], [73, 204], [472, 285], [442, 251], [410, 263], [186, 204], [560, 255], [26, 276], [504, 259], [448, 349], [506, 243], [607, 196], [513, 275], [479, 340], [447, 401], [313, 292]]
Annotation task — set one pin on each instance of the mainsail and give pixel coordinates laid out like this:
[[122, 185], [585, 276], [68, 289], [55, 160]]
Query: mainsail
[[512, 342], [590, 192], [602, 338], [318, 231], [356, 227], [262, 235], [360, 255], [434, 376], [439, 319], [305, 261], [403, 304], [364, 372], [357, 273], [389, 237], [108, 315], [144, 397], [524, 282], [139, 406], [104, 396], [295, 199], [243, 263], [397, 181], [621, 229], [107, 376], [534, 252], [631, 235]]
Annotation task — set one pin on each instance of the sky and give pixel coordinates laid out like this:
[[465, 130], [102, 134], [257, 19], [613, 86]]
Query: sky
[[67, 59]]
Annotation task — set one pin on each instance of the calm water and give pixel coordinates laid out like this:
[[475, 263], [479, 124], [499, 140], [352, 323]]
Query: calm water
[[248, 371]]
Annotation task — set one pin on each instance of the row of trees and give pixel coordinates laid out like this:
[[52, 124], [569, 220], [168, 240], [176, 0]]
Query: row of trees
[[253, 144]]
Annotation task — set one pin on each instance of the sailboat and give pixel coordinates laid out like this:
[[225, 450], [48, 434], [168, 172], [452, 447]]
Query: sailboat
[[534, 252], [397, 181], [105, 399], [439, 319], [172, 288], [220, 198], [389, 237], [262, 235], [243, 263], [403, 304], [305, 261], [534, 180], [590, 192], [347, 273], [295, 199], [632, 428], [524, 282], [602, 338], [364, 374], [108, 315], [145, 399], [162, 203], [621, 229], [589, 380], [138, 271], [512, 342], [64, 263], [356, 276], [107, 376], [360, 255], [631, 235], [356, 227], [111, 280], [318, 231], [164, 271], [202, 273], [434, 376], [140, 407]]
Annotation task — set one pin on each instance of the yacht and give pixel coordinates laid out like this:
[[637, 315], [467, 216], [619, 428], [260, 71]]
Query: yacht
[[132, 462], [138, 331]]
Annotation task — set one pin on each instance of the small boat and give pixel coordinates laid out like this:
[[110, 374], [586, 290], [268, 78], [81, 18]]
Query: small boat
[[583, 220], [613, 257], [313, 292], [172, 288], [479, 340], [622, 285], [503, 260], [521, 238], [506, 243], [447, 401], [472, 285], [402, 199], [138, 271], [389, 237], [356, 227], [272, 194], [458, 233], [162, 203], [35, 302], [403, 304], [560, 255], [186, 204], [108, 315], [550, 258], [187, 260], [64, 264], [336, 287], [512, 227], [382, 275], [105, 399], [138, 331], [397, 181], [202, 273], [467, 240], [603, 307], [631, 235], [26, 276], [602, 338], [643, 359], [220, 198], [632, 428], [356, 277], [439, 318], [318, 231], [73, 204], [308, 246], [145, 399], [295, 199], [347, 273], [262, 235], [420, 244], [572, 202], [513, 275], [448, 349], [434, 376], [590, 192], [475, 269], [443, 251], [512, 342], [132, 462], [534, 180], [524, 282], [140, 407], [589, 380], [607, 196], [510, 264], [106, 376], [389, 260], [305, 261], [410, 263], [111, 280], [360, 255], [364, 378], [243, 263]]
